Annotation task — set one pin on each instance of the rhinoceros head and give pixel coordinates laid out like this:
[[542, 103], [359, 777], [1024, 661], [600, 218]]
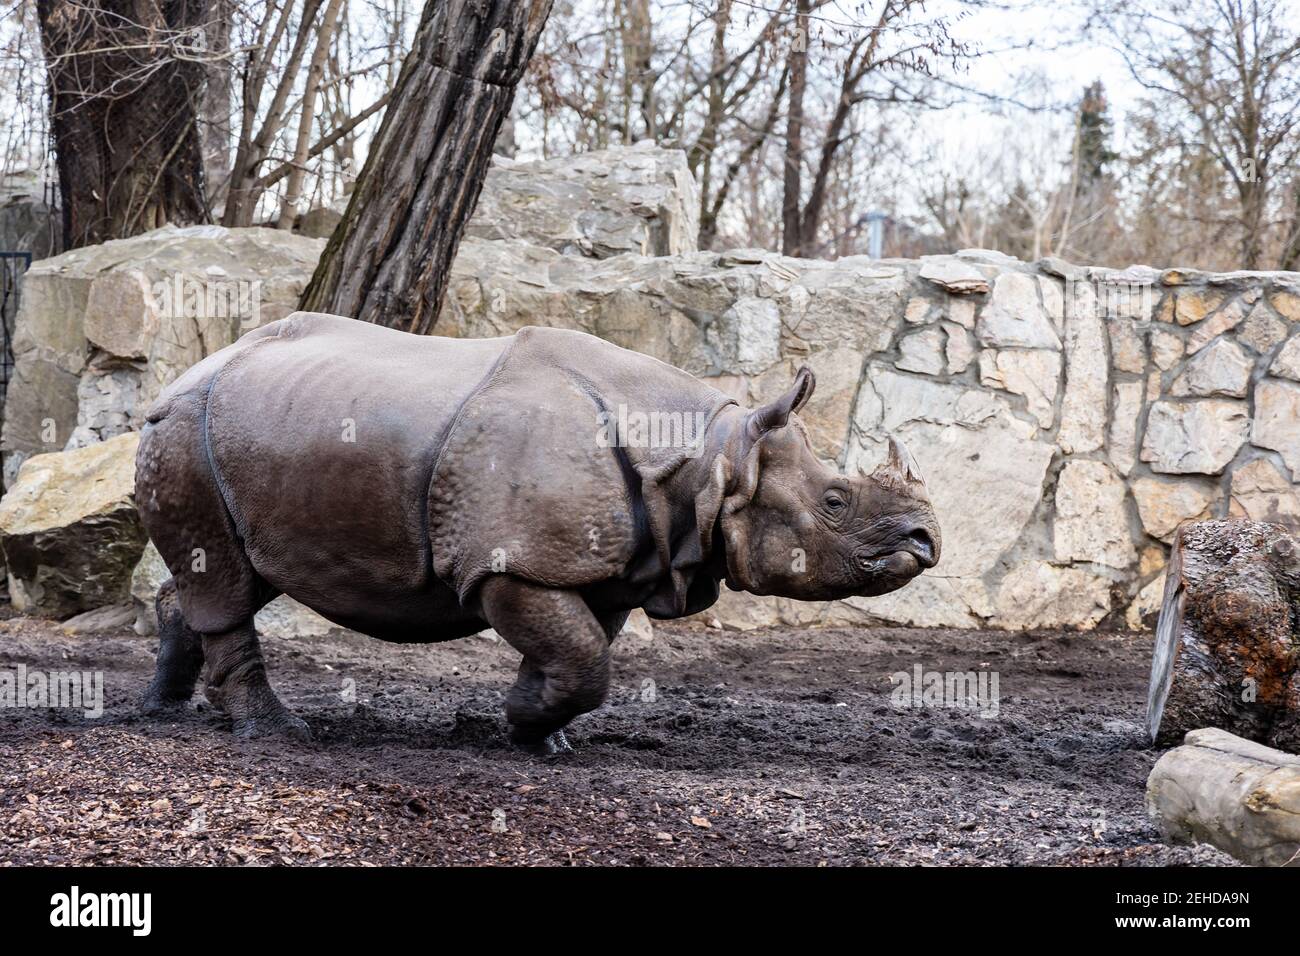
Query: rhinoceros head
[[796, 527]]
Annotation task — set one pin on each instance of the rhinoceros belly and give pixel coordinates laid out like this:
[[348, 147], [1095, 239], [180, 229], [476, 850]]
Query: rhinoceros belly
[[323, 439]]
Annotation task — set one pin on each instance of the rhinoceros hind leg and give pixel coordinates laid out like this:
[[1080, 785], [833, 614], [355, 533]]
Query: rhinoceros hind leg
[[237, 685], [180, 655], [566, 666]]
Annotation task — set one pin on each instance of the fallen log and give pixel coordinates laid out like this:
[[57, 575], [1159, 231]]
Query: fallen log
[[1227, 647], [1237, 795]]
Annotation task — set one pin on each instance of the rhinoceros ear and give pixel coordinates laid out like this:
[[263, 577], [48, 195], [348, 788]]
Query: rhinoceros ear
[[776, 414]]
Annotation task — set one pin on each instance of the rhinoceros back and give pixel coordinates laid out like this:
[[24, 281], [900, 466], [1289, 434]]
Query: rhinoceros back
[[378, 476], [320, 434]]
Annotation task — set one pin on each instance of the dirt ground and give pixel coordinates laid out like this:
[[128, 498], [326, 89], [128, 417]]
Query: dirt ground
[[779, 746]]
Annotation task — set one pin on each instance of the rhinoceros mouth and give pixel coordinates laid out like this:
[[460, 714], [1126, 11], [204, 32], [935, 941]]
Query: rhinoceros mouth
[[895, 564]]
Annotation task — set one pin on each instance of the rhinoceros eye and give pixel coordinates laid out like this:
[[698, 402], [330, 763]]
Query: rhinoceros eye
[[835, 502]]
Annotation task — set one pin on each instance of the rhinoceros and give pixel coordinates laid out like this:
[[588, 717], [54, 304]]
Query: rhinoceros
[[545, 484]]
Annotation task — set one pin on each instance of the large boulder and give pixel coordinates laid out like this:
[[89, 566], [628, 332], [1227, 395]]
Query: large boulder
[[102, 329], [69, 529], [638, 199]]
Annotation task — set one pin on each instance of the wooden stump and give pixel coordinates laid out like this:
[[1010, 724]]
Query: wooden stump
[[1227, 644], [1231, 793]]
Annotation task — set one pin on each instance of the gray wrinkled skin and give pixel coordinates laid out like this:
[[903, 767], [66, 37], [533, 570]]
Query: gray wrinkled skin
[[420, 489]]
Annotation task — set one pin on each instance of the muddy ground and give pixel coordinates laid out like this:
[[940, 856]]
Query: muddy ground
[[780, 746]]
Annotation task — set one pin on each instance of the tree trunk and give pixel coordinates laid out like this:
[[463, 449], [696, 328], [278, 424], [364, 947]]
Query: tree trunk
[[1230, 793], [123, 112], [1227, 649], [218, 96], [792, 185], [389, 259], [292, 201]]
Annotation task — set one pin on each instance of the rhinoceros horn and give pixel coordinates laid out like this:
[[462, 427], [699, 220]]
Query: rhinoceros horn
[[899, 467]]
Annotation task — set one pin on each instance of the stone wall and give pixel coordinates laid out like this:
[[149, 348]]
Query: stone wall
[[1066, 418]]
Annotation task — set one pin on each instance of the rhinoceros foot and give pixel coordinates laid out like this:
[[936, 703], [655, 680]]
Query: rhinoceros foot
[[550, 746], [237, 686], [282, 724]]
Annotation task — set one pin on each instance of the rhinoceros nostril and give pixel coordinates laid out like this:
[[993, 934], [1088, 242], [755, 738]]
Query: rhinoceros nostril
[[921, 544]]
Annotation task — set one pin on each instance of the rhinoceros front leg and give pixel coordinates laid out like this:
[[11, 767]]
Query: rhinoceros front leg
[[237, 684], [565, 671]]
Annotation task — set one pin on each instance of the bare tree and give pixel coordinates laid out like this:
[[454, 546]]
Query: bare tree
[[1223, 80], [389, 259], [126, 80]]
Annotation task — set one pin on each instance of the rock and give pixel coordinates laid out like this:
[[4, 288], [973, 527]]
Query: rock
[[959, 350], [1262, 330], [961, 311], [1277, 420], [1014, 318], [626, 199], [320, 222], [928, 601], [1287, 363], [27, 224], [923, 352], [148, 576], [1261, 492], [739, 611], [1055, 266], [1166, 349], [1124, 425], [1195, 437], [109, 618], [953, 275], [828, 414], [1226, 319], [1239, 796], [638, 627], [1287, 305], [1155, 385], [122, 314], [917, 311], [852, 302], [1053, 300], [1087, 376], [1191, 305], [1127, 347], [1037, 594], [1033, 373], [69, 529], [137, 311], [970, 447], [282, 618], [1221, 369], [286, 618], [1142, 613], [1165, 504], [750, 338], [1127, 297], [1091, 516]]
